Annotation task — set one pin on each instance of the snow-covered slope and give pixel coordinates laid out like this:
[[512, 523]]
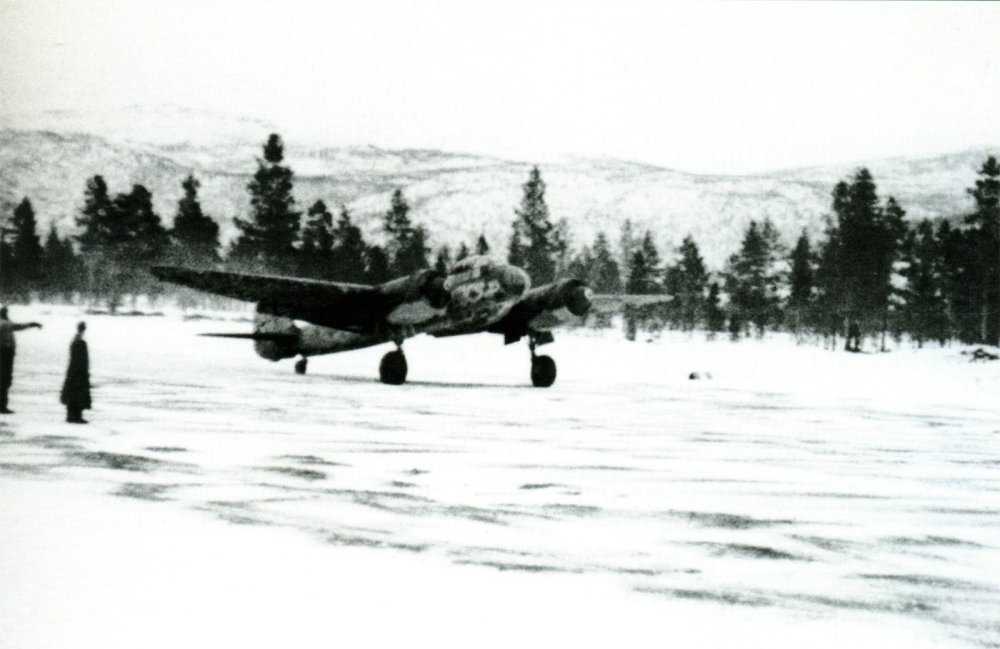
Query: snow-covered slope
[[460, 196]]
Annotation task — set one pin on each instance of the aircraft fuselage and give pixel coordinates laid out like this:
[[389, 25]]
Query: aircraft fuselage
[[482, 291]]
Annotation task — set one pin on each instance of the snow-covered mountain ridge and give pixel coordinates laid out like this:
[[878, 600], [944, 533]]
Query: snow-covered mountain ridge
[[460, 196]]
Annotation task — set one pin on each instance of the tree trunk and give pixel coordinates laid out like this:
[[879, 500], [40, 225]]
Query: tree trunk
[[885, 326]]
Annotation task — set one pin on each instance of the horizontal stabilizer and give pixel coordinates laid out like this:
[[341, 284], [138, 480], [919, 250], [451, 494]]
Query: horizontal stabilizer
[[266, 337], [613, 303]]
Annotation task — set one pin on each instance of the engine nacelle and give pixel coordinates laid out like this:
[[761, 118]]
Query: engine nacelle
[[576, 297], [434, 291], [275, 337], [561, 303]]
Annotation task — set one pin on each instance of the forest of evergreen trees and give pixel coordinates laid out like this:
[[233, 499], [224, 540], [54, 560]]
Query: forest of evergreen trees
[[926, 281]]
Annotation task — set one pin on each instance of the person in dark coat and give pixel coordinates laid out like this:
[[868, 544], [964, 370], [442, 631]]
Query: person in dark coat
[[853, 343], [7, 349], [76, 388]]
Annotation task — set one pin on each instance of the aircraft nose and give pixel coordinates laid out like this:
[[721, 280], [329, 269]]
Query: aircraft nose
[[514, 281]]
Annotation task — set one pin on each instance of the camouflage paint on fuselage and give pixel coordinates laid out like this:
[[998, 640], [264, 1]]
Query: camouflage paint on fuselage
[[482, 291]]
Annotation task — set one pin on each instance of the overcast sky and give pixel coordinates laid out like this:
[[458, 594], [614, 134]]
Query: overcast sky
[[707, 87]]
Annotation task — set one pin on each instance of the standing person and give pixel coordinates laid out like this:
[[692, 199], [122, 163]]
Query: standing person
[[853, 343], [7, 348], [76, 388]]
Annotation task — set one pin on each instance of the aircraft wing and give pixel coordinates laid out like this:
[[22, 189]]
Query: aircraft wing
[[564, 302], [615, 303], [350, 307]]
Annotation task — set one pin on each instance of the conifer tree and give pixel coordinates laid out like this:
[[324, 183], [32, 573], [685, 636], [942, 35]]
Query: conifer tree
[[751, 280], [25, 252], [533, 246], [856, 263], [581, 266], [96, 219], [829, 298], [397, 220], [121, 238], [266, 241], [142, 243], [626, 243], [561, 242], [194, 235], [604, 276], [868, 247], [60, 278], [644, 271], [99, 231], [377, 268], [315, 253], [962, 292], [463, 252], [800, 301], [858, 255], [890, 232], [442, 261], [6, 261], [644, 275], [482, 248], [925, 311], [984, 244], [715, 317], [416, 259], [686, 282], [407, 245], [349, 251], [144, 234]]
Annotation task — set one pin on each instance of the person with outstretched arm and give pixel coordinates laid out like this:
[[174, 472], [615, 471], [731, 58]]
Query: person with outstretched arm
[[7, 348]]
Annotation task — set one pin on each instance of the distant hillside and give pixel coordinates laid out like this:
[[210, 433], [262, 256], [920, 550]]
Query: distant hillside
[[459, 196]]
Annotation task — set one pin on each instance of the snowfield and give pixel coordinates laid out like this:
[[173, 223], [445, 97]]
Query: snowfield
[[798, 497]]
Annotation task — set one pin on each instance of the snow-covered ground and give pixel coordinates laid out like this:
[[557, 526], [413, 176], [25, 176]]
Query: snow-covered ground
[[799, 497]]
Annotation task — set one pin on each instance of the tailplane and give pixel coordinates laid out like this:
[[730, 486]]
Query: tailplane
[[274, 338], [266, 337]]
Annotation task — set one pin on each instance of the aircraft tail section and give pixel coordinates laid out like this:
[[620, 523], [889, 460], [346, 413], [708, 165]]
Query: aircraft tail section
[[275, 337]]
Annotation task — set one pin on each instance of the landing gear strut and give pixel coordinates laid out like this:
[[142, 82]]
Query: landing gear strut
[[543, 368], [301, 365], [392, 369]]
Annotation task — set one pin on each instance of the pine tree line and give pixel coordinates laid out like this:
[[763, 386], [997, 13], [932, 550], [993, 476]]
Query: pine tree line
[[872, 270], [119, 237], [929, 280]]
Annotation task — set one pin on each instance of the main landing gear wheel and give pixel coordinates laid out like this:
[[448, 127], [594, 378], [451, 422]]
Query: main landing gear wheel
[[301, 365], [392, 369], [543, 371], [543, 368]]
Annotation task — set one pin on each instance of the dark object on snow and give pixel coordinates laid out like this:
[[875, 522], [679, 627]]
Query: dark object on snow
[[735, 326], [853, 342], [694, 376], [980, 354], [76, 388], [7, 349]]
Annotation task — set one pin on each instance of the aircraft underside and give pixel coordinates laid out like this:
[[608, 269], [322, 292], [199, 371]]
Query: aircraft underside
[[299, 317], [308, 340]]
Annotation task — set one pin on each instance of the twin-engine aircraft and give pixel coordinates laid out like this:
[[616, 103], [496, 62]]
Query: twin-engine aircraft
[[478, 294]]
